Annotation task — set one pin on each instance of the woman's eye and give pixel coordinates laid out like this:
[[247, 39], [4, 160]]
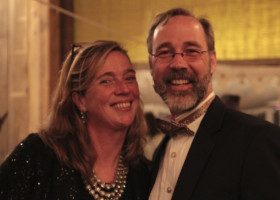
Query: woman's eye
[[105, 81]]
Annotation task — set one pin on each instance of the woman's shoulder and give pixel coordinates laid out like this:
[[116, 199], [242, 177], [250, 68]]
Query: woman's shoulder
[[32, 144], [23, 167], [139, 180], [143, 168], [29, 150], [33, 139], [145, 163]]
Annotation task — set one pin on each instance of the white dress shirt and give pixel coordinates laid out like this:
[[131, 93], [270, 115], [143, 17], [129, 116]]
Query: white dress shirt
[[175, 155]]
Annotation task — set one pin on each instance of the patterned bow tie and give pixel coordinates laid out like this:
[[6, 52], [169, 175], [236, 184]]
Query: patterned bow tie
[[172, 128]]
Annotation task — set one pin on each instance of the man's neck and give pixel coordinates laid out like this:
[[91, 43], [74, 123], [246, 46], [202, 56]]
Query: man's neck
[[184, 114]]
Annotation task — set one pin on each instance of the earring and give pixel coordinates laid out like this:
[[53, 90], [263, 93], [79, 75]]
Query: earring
[[83, 117]]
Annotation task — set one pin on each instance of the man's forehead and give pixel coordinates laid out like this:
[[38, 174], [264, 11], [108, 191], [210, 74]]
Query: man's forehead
[[179, 20], [179, 28]]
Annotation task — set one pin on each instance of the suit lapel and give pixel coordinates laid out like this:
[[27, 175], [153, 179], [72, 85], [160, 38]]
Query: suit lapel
[[200, 151]]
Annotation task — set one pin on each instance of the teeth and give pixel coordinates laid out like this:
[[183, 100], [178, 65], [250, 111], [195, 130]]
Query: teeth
[[179, 82], [122, 105]]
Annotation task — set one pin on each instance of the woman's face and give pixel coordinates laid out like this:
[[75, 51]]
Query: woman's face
[[112, 99]]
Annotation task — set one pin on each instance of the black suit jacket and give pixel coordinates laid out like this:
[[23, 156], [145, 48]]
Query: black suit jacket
[[233, 156]]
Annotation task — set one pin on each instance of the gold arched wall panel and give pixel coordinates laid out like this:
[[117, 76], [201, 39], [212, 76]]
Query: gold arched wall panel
[[244, 29]]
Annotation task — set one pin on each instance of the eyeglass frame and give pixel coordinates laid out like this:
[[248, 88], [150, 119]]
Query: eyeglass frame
[[74, 51], [184, 54], [74, 47]]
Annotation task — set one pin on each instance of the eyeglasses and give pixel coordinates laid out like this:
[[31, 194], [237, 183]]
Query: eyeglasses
[[188, 55]]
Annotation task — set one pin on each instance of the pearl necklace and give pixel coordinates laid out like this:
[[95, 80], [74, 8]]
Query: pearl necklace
[[109, 191]]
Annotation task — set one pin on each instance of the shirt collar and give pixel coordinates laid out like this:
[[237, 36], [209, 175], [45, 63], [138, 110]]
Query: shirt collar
[[184, 115], [195, 124]]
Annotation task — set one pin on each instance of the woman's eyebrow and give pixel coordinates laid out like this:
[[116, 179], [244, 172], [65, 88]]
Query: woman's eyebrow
[[112, 74], [105, 74]]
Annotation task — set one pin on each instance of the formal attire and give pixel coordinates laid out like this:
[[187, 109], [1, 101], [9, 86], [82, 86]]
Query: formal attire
[[32, 171], [230, 156]]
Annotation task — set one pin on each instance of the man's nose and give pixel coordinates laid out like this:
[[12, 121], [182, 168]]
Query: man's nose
[[178, 61]]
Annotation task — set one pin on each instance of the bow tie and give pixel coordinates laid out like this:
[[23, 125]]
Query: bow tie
[[172, 128]]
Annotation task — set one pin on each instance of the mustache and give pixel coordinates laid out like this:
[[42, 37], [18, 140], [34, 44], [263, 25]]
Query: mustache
[[161, 86], [180, 74]]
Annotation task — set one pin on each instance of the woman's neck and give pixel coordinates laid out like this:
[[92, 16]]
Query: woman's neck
[[107, 145]]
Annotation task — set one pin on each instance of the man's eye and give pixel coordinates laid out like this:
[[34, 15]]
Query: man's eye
[[164, 53], [191, 52], [131, 78]]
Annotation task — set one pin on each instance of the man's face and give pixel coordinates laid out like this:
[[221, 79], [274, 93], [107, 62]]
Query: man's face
[[183, 81]]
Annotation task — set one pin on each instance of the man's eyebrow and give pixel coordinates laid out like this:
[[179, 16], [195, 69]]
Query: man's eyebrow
[[130, 71], [191, 44], [185, 45], [163, 45]]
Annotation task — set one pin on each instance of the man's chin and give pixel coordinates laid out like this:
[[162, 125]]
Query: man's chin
[[180, 103]]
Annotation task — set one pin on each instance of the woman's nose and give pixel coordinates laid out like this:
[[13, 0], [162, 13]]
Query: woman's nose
[[121, 88]]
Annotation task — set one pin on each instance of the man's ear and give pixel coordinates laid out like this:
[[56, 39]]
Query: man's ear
[[79, 101], [151, 65], [213, 62]]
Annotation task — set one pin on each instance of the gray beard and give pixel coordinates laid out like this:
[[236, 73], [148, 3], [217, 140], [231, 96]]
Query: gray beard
[[182, 101]]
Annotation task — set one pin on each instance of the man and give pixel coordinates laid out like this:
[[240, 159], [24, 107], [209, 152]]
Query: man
[[210, 152]]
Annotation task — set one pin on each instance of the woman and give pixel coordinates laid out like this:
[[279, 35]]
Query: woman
[[91, 145]]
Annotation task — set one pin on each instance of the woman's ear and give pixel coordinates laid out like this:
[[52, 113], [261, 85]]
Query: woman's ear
[[79, 101]]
